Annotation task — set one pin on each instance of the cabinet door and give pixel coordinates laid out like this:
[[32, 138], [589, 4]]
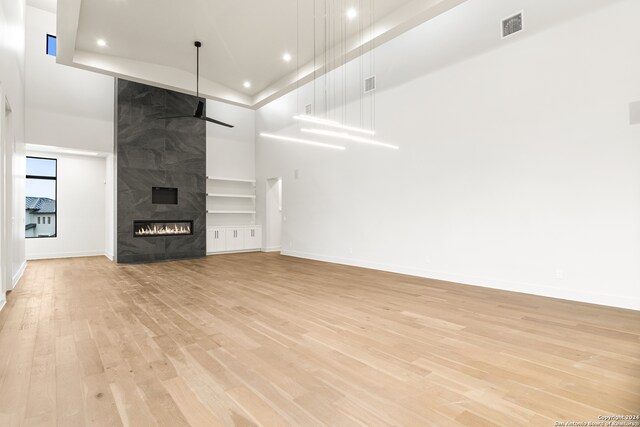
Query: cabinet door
[[252, 238], [218, 240], [235, 239], [210, 243]]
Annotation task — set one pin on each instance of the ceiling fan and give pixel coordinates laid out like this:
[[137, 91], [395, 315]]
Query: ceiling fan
[[199, 113]]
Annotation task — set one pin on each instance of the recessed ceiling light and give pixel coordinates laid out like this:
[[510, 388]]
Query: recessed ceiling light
[[101, 42], [286, 57], [247, 84], [352, 13]]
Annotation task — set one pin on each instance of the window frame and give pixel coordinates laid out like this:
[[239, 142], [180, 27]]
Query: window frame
[[48, 178], [49, 36]]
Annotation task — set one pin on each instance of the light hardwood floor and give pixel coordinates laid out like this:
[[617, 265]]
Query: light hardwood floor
[[262, 339]]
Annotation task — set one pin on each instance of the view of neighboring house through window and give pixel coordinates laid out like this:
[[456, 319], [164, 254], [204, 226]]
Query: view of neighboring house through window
[[41, 191]]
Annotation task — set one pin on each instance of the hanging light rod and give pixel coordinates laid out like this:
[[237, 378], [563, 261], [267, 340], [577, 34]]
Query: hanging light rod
[[345, 135], [332, 123], [302, 141]]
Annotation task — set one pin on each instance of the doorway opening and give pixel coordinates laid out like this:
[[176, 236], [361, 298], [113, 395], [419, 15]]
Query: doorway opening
[[273, 229]]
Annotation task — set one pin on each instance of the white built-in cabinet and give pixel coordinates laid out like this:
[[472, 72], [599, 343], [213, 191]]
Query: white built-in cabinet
[[216, 240], [231, 209], [234, 238]]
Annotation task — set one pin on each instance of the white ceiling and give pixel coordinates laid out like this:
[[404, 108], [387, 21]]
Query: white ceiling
[[243, 40]]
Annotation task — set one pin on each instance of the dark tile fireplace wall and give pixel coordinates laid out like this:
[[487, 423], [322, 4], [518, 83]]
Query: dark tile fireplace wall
[[158, 153]]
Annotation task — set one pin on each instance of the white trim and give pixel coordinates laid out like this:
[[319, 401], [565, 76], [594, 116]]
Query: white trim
[[233, 196], [218, 227], [16, 277], [271, 249], [240, 251], [109, 255], [526, 288], [222, 178], [231, 212], [66, 255], [3, 303]]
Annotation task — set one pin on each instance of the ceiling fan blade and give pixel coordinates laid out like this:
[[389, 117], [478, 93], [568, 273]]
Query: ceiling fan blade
[[199, 109], [173, 117], [217, 122]]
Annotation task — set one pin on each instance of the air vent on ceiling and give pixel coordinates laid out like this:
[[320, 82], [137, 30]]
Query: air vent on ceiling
[[308, 110], [512, 25], [369, 84]]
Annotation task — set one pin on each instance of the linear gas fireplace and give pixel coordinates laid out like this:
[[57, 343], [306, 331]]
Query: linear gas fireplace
[[162, 228]]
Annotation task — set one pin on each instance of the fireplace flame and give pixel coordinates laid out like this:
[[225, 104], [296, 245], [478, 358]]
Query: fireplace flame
[[163, 230]]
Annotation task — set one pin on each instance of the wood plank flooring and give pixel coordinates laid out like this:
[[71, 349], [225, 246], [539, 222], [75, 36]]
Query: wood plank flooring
[[263, 339]]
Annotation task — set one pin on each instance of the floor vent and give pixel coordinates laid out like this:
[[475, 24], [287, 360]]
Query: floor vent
[[369, 84], [512, 25], [308, 110]]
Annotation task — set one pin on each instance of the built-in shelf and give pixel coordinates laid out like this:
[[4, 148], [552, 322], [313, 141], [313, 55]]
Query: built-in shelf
[[235, 196], [220, 178], [229, 201], [231, 212]]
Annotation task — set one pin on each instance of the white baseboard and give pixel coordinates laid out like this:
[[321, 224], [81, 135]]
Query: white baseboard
[[65, 255], [109, 255], [271, 249], [3, 303], [526, 288], [18, 275]]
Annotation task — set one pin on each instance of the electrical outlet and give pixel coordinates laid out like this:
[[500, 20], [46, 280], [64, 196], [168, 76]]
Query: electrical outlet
[[290, 244], [296, 174], [427, 259], [350, 250], [559, 273]]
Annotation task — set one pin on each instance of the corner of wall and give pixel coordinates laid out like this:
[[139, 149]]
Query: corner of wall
[[18, 274]]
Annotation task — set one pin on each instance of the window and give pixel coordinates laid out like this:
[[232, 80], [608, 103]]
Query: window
[[52, 43], [41, 191]]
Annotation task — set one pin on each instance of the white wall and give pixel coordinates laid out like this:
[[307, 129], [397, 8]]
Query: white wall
[[110, 207], [81, 213], [230, 154], [71, 108], [12, 28], [65, 106], [231, 151], [518, 168]]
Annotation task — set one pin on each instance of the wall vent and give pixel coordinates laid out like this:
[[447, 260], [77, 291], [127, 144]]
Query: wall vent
[[369, 84], [512, 25], [308, 110]]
